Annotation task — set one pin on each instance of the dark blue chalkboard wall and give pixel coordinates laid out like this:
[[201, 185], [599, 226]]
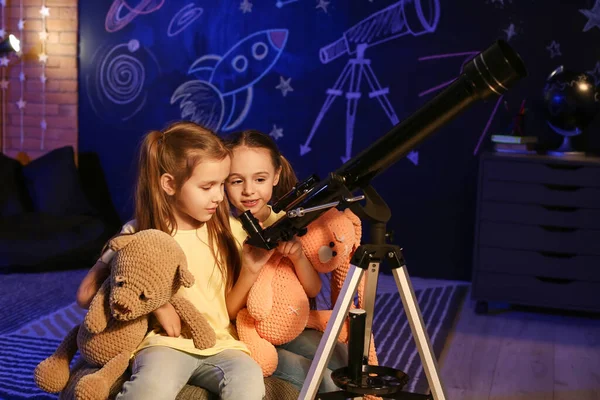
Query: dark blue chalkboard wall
[[286, 67]]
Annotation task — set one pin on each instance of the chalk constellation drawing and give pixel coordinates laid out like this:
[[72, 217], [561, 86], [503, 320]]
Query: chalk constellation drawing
[[184, 18], [115, 84], [121, 12], [221, 95], [467, 56], [405, 17]]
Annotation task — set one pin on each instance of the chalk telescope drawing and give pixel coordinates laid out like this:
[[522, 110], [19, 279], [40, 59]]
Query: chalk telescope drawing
[[122, 12], [467, 56], [221, 95], [184, 18], [115, 84], [593, 16], [405, 17]]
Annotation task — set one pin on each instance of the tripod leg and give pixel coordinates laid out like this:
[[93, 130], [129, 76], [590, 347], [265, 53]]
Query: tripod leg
[[380, 94], [415, 319], [369, 304], [332, 94], [352, 97], [334, 326]]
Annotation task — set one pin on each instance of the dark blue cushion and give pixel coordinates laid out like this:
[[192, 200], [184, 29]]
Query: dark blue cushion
[[13, 193], [53, 184]]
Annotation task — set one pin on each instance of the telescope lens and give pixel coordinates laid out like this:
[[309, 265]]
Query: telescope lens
[[495, 69]]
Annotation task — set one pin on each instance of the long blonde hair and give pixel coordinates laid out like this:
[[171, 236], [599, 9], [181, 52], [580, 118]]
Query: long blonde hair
[[177, 150]]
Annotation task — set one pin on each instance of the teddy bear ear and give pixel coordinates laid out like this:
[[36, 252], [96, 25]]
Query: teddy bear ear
[[185, 276], [121, 241]]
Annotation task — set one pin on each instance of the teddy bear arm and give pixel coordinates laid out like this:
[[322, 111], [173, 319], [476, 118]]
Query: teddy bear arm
[[52, 374], [260, 298], [98, 315], [97, 385], [202, 333]]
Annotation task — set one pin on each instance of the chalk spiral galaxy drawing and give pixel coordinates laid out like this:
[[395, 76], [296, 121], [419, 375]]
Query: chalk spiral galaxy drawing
[[405, 17], [184, 18], [118, 78], [221, 95], [121, 12]]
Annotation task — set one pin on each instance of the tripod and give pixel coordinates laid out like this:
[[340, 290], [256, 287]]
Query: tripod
[[354, 70], [369, 257]]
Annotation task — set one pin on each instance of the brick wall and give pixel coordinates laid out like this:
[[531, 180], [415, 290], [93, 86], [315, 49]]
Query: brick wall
[[22, 128]]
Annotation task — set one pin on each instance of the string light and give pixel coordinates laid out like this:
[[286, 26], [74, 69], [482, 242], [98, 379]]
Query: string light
[[43, 58]]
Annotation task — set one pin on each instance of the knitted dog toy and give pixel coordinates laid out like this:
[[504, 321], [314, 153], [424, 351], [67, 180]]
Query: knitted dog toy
[[147, 270], [277, 306]]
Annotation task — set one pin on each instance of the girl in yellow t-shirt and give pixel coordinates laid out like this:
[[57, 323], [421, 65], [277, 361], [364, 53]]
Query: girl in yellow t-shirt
[[180, 190]]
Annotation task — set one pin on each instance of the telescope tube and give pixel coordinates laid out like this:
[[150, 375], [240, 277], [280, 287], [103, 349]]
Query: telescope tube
[[491, 72]]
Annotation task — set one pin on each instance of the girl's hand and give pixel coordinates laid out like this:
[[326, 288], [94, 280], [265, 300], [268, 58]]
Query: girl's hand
[[169, 319], [254, 258], [91, 284], [291, 249]]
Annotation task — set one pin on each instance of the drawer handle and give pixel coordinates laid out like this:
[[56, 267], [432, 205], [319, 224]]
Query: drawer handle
[[554, 254], [552, 228], [557, 281], [564, 166], [562, 188]]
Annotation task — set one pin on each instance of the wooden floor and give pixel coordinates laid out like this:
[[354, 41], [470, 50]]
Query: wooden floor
[[519, 354]]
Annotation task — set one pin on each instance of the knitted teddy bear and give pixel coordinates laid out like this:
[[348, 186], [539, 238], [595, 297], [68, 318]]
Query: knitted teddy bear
[[146, 272], [277, 308]]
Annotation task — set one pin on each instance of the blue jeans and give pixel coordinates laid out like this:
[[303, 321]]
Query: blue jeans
[[160, 372], [296, 356]]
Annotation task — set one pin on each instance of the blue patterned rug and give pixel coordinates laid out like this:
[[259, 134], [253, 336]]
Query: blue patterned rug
[[43, 312]]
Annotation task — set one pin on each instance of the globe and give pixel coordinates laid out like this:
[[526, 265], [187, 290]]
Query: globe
[[571, 101]]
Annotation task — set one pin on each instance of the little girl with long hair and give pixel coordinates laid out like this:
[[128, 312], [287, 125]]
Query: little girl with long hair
[[180, 190], [260, 173]]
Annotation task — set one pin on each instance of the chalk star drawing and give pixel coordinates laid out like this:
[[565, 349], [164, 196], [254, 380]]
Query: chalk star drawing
[[21, 104], [2, 33], [593, 16], [184, 18], [322, 4], [281, 3], [595, 73], [4, 84], [276, 133], [467, 56], [221, 95], [4, 61], [510, 32], [284, 86], [246, 6], [402, 18], [21, 24], [554, 49]]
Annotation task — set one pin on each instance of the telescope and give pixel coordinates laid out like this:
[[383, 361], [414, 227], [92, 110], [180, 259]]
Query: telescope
[[490, 73]]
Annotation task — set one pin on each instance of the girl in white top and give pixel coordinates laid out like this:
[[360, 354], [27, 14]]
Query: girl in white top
[[180, 190]]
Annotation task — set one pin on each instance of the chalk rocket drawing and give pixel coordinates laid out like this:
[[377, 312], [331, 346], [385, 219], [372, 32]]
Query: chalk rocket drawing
[[402, 18], [184, 18], [593, 16], [467, 56], [121, 12], [117, 77], [221, 95]]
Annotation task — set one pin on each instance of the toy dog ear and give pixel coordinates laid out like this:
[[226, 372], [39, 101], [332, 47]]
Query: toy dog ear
[[185, 276], [356, 222], [121, 241]]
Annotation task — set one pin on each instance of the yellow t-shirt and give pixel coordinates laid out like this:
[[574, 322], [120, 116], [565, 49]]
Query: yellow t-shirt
[[207, 295], [240, 234]]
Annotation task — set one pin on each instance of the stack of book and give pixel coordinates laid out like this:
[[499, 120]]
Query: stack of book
[[514, 144]]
